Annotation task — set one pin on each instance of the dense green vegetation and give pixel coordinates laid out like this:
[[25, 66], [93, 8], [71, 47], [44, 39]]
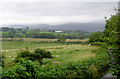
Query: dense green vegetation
[[109, 38], [95, 36], [37, 55]]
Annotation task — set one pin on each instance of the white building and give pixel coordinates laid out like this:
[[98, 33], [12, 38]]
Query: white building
[[58, 31]]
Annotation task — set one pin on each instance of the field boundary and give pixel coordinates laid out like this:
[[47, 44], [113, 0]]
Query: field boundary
[[31, 48]]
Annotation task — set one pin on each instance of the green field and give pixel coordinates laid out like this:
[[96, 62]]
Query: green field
[[62, 53], [15, 43], [4, 32], [19, 45]]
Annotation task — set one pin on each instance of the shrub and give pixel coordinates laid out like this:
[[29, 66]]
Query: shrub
[[61, 38], [38, 55], [95, 37], [2, 60], [24, 54], [43, 53], [25, 69]]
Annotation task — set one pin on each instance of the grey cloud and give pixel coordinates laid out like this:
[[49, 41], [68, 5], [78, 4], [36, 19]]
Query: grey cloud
[[59, 9]]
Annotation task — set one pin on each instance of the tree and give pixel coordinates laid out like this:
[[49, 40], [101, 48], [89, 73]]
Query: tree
[[95, 37], [27, 28], [61, 38], [19, 29], [112, 36]]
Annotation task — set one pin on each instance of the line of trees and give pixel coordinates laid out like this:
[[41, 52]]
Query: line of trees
[[33, 33]]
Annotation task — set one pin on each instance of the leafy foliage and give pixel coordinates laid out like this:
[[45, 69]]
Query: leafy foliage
[[110, 39], [38, 55], [95, 36], [61, 39], [2, 60], [112, 36], [25, 69]]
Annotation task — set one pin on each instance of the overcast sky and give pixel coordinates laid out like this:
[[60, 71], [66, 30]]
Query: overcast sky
[[55, 12]]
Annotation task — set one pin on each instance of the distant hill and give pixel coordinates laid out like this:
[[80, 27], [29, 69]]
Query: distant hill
[[88, 27]]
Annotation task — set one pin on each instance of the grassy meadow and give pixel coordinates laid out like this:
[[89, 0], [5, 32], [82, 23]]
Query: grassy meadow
[[61, 52], [19, 43]]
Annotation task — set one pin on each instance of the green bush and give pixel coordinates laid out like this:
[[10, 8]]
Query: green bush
[[2, 60], [61, 38], [37, 55], [95, 37], [97, 43], [25, 69], [0, 72], [43, 53], [24, 54]]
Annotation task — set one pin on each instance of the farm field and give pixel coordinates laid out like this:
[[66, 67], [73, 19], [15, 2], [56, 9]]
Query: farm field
[[41, 40], [61, 52], [19, 43]]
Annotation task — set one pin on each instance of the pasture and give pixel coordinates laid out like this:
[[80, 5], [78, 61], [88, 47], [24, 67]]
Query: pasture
[[62, 53], [19, 43], [40, 40]]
